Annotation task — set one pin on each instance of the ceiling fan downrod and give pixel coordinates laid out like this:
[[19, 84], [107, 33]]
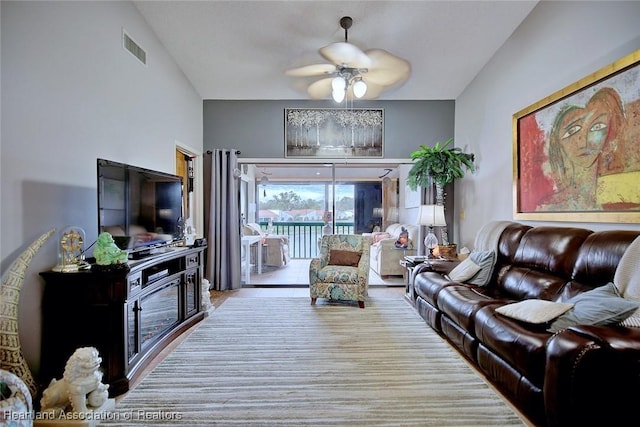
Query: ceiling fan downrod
[[346, 22]]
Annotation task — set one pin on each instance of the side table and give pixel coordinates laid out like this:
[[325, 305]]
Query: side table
[[408, 263]]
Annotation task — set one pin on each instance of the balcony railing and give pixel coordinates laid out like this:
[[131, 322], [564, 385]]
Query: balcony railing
[[304, 236]]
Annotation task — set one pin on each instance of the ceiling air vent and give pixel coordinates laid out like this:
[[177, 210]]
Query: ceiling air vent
[[133, 48]]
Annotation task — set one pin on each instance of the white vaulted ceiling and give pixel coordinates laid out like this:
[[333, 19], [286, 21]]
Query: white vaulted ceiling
[[240, 49]]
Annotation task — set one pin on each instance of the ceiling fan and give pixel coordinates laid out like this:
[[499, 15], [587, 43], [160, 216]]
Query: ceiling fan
[[353, 72], [265, 177]]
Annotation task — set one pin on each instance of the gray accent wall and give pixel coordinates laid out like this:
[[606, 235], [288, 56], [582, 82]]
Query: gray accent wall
[[256, 128]]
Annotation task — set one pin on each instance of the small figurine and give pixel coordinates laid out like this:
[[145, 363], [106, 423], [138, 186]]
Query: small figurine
[[107, 252], [403, 239], [80, 389]]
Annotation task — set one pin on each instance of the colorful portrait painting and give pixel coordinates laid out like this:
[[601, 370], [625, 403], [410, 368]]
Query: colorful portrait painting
[[580, 153]]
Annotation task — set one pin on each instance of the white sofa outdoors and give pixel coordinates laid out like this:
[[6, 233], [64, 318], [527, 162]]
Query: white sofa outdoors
[[385, 256]]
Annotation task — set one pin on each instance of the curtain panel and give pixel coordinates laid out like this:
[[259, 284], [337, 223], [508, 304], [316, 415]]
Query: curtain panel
[[222, 219]]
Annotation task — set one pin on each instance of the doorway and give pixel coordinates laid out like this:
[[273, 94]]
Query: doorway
[[188, 165], [305, 201]]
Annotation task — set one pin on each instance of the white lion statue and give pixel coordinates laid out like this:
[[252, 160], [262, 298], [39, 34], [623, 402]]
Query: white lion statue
[[80, 388]]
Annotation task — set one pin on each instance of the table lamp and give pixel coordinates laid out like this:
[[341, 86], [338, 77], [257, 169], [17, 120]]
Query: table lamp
[[431, 216]]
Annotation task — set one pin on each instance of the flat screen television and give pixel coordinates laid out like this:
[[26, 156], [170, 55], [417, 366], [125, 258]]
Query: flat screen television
[[140, 208]]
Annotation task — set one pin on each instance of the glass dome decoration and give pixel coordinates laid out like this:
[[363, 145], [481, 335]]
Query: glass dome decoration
[[71, 250]]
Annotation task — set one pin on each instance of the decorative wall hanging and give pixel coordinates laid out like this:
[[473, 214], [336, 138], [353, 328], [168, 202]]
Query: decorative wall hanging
[[334, 132], [576, 153], [411, 197]]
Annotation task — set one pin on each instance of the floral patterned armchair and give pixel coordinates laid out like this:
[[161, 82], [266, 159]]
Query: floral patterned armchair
[[342, 270]]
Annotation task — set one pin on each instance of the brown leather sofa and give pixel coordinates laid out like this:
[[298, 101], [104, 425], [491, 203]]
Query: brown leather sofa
[[577, 375]]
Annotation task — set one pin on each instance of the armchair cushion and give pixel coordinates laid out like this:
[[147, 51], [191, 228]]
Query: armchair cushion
[[341, 257], [339, 274]]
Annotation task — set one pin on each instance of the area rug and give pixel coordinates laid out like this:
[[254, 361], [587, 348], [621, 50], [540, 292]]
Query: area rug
[[283, 362]]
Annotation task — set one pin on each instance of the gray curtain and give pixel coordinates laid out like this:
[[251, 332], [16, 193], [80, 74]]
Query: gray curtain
[[222, 219]]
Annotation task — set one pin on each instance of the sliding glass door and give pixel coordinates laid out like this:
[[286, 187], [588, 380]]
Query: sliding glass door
[[305, 201]]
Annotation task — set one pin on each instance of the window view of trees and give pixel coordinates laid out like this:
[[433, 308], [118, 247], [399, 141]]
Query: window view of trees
[[303, 202]]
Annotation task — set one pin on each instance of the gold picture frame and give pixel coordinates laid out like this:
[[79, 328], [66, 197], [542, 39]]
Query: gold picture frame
[[576, 153]]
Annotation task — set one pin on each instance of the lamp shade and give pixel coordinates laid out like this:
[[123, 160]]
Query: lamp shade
[[431, 215]]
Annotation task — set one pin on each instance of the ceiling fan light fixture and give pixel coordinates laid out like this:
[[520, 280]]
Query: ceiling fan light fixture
[[338, 95], [359, 88], [338, 83], [347, 64]]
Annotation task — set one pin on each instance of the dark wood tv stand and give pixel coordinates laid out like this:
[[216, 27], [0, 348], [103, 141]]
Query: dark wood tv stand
[[129, 316]]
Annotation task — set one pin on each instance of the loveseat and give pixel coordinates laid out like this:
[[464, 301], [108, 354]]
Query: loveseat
[[384, 255], [545, 328]]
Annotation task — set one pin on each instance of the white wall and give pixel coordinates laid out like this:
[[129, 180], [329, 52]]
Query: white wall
[[72, 94], [558, 44]]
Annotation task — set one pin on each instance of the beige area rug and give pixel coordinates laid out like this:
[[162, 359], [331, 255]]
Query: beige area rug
[[283, 362]]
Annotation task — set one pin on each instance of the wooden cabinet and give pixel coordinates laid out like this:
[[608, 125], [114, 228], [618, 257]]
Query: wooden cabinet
[[129, 316]]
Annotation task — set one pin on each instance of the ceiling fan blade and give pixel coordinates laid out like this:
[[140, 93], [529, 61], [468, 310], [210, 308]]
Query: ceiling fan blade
[[343, 53], [320, 89], [311, 70], [373, 90], [386, 69]]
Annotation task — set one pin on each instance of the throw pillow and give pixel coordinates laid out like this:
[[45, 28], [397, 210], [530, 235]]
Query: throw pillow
[[534, 310], [486, 260], [627, 281], [632, 321], [464, 271], [345, 258], [380, 235], [601, 306]]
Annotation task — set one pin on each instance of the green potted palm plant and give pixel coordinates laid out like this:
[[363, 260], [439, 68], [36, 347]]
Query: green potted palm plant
[[439, 165]]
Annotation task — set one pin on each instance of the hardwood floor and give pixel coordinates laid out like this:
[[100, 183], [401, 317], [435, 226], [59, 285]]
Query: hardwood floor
[[296, 272]]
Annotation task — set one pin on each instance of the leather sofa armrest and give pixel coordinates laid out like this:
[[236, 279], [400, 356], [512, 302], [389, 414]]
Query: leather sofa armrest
[[439, 266], [420, 268], [592, 367]]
